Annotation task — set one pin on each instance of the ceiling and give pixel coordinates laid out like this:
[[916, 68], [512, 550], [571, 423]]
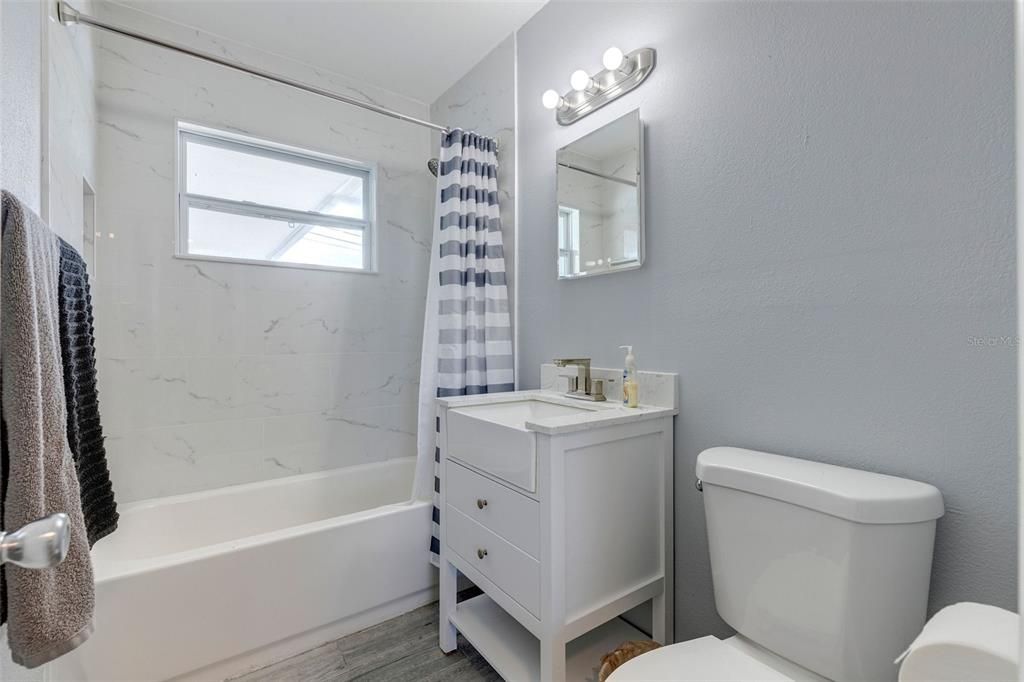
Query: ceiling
[[405, 46]]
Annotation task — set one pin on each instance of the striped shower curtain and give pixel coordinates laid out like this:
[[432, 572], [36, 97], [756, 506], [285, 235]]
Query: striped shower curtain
[[467, 332]]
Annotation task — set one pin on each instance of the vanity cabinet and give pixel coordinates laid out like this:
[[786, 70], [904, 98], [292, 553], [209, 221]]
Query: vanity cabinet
[[567, 531]]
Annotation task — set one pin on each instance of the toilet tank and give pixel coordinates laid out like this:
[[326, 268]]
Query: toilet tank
[[826, 566]]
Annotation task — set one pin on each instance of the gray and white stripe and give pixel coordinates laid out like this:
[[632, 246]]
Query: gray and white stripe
[[474, 330]]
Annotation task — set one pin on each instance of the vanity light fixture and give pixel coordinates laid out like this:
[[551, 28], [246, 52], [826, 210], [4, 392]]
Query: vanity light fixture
[[622, 72]]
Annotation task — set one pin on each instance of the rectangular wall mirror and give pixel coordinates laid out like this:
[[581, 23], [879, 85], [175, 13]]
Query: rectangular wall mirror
[[600, 200]]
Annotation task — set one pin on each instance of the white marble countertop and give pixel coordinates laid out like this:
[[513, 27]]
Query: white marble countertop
[[598, 414]]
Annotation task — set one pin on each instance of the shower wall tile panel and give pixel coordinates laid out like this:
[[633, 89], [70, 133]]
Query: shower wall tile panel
[[214, 374]]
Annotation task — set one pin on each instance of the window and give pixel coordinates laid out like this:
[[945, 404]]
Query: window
[[568, 241], [257, 202]]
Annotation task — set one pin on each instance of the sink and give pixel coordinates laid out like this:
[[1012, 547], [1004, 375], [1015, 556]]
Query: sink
[[516, 414], [493, 437]]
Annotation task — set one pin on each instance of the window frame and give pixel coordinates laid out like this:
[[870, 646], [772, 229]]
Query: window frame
[[185, 132], [569, 233]]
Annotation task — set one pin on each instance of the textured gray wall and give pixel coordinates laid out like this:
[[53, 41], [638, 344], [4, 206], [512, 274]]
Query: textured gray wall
[[830, 233], [20, 108]]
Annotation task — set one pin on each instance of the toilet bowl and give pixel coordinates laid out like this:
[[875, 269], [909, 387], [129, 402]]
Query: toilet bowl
[[823, 571], [961, 643]]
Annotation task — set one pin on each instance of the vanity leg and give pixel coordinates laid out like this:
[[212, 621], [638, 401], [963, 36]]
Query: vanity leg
[[449, 585], [552, 660], [659, 624]]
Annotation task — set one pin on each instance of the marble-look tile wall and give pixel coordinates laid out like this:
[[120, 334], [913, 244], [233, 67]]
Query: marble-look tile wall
[[71, 156], [655, 388], [621, 212], [214, 374], [484, 100]]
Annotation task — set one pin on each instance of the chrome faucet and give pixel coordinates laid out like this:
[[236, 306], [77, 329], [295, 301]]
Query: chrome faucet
[[577, 371]]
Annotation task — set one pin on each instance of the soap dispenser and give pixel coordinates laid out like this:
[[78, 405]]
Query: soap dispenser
[[630, 385]]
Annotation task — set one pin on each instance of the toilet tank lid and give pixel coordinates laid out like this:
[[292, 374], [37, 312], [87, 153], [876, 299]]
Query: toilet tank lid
[[852, 494]]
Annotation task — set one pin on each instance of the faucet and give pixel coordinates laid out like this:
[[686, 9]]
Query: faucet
[[577, 371]]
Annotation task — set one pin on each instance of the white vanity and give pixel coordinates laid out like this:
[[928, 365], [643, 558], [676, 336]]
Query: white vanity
[[560, 510]]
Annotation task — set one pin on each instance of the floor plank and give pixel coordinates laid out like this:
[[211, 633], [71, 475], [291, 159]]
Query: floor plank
[[322, 664], [400, 649]]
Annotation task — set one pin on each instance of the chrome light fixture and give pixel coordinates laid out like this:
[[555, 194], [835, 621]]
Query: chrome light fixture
[[622, 73]]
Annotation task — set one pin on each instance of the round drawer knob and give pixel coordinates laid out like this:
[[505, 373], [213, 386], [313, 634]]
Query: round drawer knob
[[481, 553], [480, 504]]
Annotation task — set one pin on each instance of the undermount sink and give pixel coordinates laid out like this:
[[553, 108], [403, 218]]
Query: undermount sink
[[516, 414]]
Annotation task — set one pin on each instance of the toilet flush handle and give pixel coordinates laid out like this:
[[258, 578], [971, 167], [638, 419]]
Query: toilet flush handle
[[699, 485]]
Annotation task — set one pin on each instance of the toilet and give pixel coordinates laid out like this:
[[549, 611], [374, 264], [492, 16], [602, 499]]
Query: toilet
[[823, 571]]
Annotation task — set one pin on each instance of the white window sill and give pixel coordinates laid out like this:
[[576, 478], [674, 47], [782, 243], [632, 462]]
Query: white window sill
[[273, 264]]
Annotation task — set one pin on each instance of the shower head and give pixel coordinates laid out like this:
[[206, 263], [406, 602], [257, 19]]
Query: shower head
[[432, 166]]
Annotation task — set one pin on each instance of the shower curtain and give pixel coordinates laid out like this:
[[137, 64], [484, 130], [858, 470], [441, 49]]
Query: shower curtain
[[467, 333]]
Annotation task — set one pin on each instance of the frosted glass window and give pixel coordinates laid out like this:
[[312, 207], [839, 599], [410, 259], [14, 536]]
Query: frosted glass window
[[255, 202], [213, 233]]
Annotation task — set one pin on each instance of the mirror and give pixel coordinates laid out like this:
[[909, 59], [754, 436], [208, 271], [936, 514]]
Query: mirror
[[600, 200]]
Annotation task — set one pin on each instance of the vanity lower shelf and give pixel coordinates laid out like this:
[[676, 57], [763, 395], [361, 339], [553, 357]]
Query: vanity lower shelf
[[515, 653]]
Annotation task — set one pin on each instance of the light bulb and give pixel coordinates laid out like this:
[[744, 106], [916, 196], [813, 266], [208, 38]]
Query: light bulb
[[551, 99], [612, 58], [579, 80]]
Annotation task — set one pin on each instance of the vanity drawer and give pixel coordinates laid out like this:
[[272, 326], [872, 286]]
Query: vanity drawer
[[509, 514], [508, 567]]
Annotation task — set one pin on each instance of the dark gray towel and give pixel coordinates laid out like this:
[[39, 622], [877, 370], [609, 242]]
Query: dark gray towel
[[85, 434]]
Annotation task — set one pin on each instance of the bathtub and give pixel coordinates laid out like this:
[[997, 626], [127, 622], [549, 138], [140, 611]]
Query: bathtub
[[213, 584]]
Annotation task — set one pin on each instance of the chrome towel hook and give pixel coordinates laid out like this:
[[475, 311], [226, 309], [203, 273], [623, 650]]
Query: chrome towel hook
[[40, 544]]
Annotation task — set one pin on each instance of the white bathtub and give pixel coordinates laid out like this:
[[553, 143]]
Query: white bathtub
[[212, 584]]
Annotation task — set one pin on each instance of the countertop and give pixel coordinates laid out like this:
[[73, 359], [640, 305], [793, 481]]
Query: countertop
[[599, 414]]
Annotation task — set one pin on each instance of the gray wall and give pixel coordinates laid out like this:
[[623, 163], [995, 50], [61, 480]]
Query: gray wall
[[21, 72], [829, 232]]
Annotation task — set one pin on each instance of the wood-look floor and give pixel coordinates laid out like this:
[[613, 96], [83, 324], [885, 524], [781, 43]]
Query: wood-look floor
[[401, 649]]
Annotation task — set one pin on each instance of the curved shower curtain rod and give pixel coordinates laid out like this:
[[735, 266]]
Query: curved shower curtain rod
[[69, 15]]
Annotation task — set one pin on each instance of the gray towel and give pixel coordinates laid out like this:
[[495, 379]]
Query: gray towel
[[49, 612]]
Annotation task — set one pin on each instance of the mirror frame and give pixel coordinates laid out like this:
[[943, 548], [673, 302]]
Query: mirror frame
[[641, 162]]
